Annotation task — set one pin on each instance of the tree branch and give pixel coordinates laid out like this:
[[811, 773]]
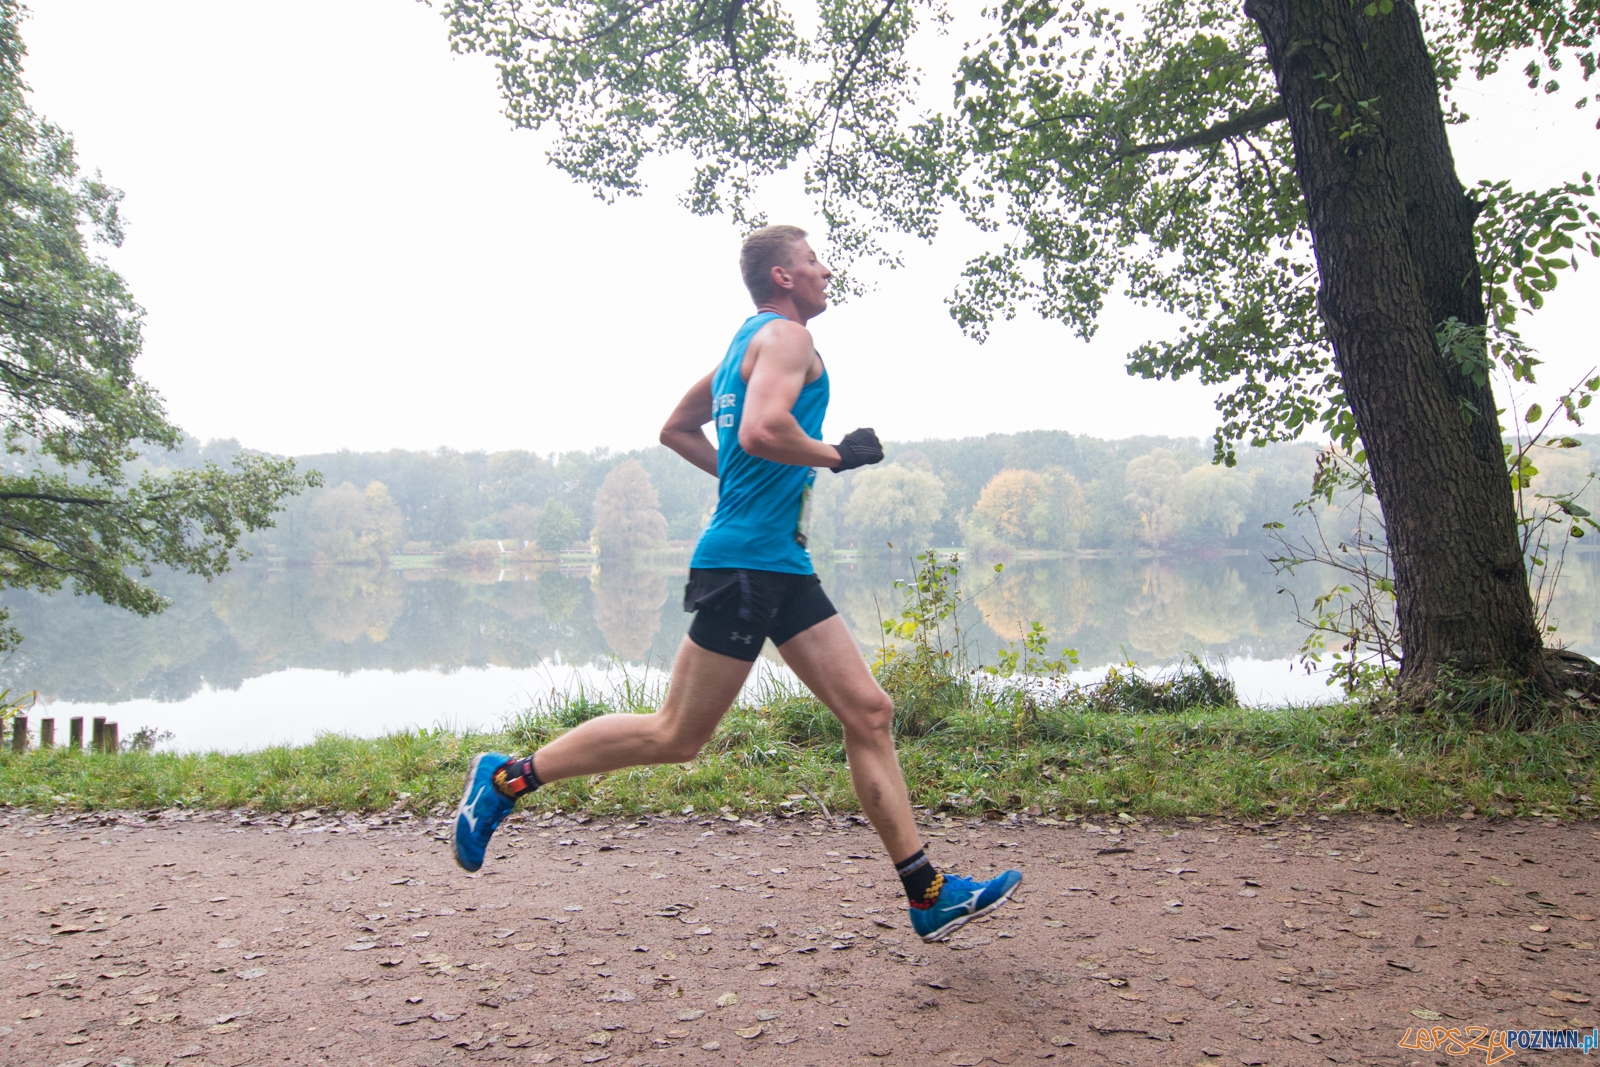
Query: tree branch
[[862, 43], [1249, 122], [1071, 116], [51, 498], [730, 38]]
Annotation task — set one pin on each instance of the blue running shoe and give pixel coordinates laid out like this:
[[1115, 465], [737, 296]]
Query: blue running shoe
[[480, 811], [962, 900]]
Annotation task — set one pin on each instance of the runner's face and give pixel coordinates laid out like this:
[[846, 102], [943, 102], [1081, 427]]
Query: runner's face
[[810, 279]]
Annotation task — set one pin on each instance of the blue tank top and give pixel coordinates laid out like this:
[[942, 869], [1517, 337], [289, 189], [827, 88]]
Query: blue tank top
[[762, 506]]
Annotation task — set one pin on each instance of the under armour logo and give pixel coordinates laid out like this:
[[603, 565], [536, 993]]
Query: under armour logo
[[737, 636]]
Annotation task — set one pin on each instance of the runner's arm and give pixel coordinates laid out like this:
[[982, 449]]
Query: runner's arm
[[683, 432], [767, 428]]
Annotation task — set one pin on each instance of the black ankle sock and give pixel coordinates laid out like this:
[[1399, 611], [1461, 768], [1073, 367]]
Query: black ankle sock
[[921, 880], [516, 777]]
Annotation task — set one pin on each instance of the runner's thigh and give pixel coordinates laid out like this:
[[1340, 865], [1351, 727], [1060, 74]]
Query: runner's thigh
[[826, 659], [703, 686]]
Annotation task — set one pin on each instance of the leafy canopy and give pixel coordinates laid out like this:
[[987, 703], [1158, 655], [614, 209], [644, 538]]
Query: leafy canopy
[[73, 414], [1151, 161]]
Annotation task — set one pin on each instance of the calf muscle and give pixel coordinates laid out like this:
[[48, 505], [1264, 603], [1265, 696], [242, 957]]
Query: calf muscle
[[702, 688]]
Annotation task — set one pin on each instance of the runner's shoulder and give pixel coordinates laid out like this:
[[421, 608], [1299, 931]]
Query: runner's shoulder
[[784, 334]]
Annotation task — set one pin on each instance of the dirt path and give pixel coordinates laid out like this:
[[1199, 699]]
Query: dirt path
[[226, 940]]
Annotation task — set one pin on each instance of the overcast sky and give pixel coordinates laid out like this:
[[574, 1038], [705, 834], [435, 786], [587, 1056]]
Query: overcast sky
[[341, 243]]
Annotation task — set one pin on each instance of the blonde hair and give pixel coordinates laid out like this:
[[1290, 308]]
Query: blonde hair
[[768, 247]]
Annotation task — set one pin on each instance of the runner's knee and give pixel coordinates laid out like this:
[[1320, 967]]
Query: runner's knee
[[874, 715], [677, 744]]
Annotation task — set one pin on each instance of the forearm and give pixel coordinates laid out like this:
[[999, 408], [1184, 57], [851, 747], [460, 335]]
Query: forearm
[[693, 446], [782, 441]]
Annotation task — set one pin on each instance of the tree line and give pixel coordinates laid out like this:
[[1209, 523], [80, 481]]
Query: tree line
[[1035, 491]]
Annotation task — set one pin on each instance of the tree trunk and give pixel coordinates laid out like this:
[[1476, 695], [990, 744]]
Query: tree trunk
[[1392, 230]]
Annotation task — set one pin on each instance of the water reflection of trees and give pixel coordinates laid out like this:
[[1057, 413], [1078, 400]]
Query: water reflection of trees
[[627, 608], [1150, 608], [262, 619]]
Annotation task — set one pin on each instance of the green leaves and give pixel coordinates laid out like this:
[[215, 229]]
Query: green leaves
[[1560, 31], [735, 87], [1526, 238]]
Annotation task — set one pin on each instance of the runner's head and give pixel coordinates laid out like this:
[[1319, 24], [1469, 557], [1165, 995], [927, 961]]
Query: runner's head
[[780, 269]]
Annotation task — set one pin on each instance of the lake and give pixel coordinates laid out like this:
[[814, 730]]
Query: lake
[[269, 654]]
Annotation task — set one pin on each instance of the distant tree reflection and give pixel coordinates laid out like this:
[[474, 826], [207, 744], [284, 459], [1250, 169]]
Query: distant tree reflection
[[627, 607], [560, 595]]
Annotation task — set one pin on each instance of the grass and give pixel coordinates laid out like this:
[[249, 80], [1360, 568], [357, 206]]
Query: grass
[[985, 749]]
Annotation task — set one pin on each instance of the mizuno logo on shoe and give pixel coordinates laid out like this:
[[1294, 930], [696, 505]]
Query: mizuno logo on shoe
[[972, 902], [467, 810]]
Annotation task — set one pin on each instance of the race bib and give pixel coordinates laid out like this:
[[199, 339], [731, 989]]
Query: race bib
[[802, 527]]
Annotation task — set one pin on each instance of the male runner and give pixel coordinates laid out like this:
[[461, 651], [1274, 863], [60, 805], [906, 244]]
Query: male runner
[[751, 579]]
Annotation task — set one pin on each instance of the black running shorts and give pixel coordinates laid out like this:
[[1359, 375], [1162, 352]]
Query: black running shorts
[[736, 610]]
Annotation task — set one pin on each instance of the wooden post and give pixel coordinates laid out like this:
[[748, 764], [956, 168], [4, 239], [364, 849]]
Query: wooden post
[[19, 733], [47, 733], [75, 732], [97, 740], [111, 738]]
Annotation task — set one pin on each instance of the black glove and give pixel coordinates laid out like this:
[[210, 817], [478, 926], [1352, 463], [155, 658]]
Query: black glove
[[859, 448]]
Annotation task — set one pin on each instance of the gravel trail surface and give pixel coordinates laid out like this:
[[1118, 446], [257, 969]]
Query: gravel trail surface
[[229, 938]]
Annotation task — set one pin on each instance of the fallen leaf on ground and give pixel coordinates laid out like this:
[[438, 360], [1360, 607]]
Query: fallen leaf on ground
[[1568, 998]]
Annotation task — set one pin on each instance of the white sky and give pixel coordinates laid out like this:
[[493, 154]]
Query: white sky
[[341, 243]]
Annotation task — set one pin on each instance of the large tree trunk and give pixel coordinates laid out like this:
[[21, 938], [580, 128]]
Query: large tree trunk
[[1392, 229]]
